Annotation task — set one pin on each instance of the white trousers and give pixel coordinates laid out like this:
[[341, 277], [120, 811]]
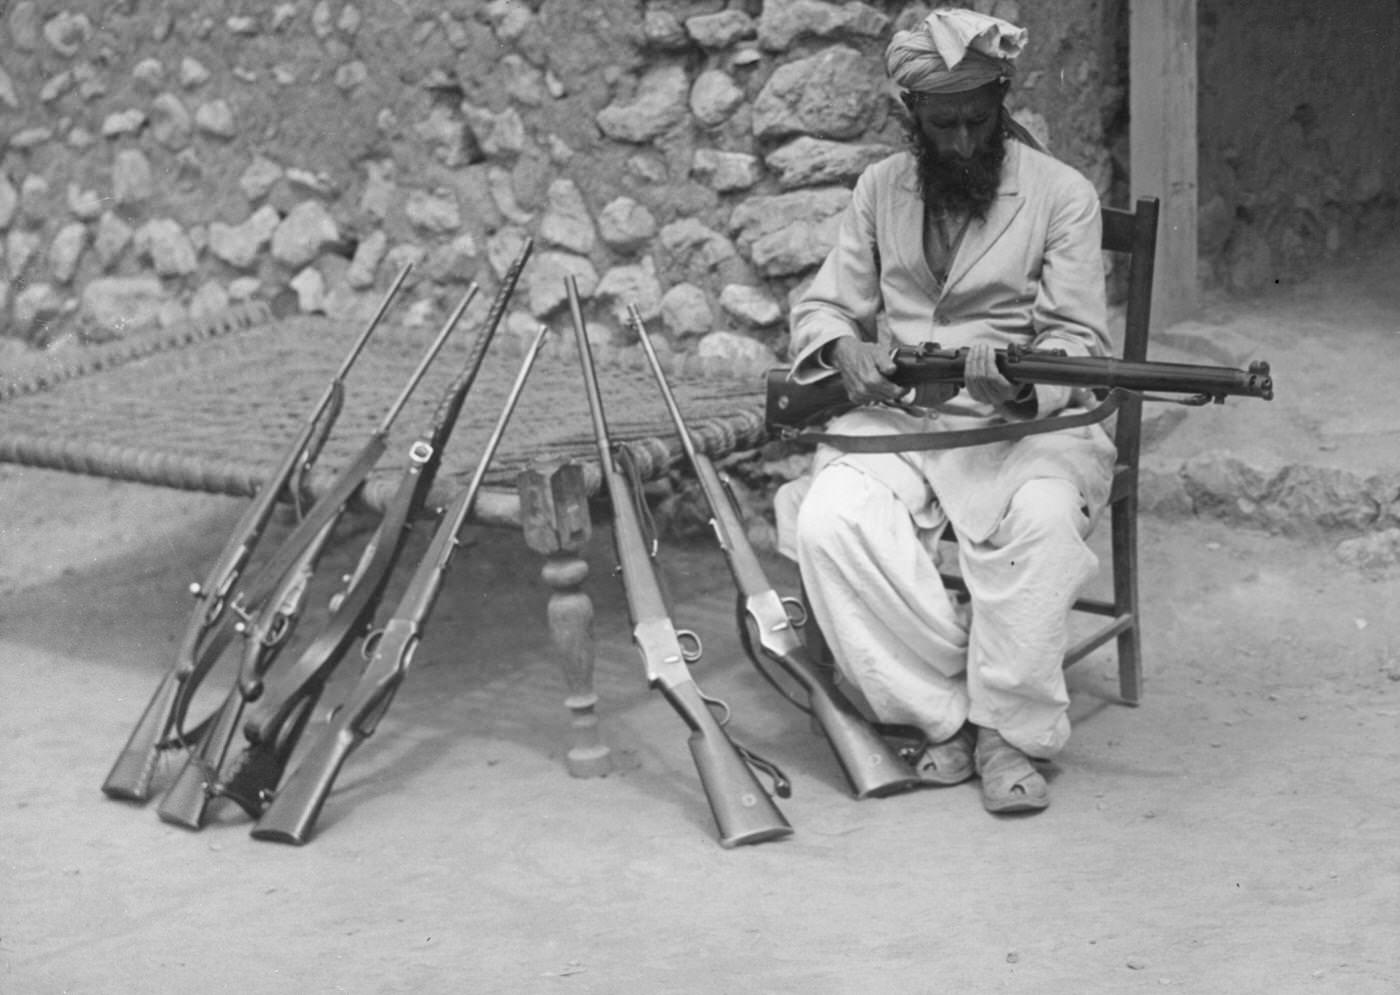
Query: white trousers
[[911, 652]]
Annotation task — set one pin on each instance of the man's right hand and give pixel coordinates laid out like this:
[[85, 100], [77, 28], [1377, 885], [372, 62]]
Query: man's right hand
[[865, 370]]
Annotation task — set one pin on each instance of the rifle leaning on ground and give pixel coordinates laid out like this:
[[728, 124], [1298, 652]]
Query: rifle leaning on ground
[[870, 764], [742, 810], [205, 637], [265, 634], [292, 693], [269, 609], [792, 407], [297, 803]]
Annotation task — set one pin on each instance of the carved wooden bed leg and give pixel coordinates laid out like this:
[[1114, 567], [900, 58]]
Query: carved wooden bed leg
[[555, 519]]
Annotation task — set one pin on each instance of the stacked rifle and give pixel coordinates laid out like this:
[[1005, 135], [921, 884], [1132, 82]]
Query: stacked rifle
[[274, 711], [242, 751]]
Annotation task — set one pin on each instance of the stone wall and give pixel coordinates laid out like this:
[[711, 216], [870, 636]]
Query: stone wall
[[163, 159], [1299, 125]]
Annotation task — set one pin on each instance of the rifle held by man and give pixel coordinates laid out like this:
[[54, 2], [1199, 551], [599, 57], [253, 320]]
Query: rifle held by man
[[791, 406], [296, 805], [131, 775], [871, 765], [289, 695], [742, 810]]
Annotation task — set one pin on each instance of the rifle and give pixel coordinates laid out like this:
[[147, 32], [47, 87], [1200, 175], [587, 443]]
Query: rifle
[[871, 765], [792, 406], [310, 532], [742, 810], [131, 775], [297, 803], [286, 702]]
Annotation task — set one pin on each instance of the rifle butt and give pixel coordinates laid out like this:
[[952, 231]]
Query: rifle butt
[[131, 776], [253, 775], [743, 812], [872, 767], [187, 801], [296, 805]]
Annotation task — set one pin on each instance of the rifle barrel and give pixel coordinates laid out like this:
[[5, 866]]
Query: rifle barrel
[[667, 395], [374, 321], [595, 397], [426, 360]]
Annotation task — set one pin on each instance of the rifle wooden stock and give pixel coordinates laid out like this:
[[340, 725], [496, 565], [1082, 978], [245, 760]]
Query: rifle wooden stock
[[742, 810], [871, 766], [135, 767], [297, 804], [296, 689], [131, 776], [790, 406]]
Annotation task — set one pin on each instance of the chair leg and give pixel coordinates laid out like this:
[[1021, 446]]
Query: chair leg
[[1125, 598], [812, 636]]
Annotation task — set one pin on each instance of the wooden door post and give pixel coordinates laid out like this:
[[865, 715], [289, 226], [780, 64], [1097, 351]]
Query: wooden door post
[[1162, 133]]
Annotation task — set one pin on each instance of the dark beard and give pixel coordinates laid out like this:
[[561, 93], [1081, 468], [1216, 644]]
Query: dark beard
[[959, 186]]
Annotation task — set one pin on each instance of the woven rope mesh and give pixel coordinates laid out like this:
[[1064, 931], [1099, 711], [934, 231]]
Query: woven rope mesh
[[215, 411]]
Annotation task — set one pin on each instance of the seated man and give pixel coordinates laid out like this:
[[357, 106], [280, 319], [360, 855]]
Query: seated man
[[974, 238]]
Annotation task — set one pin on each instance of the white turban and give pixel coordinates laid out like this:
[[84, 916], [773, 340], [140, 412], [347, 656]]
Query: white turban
[[952, 51]]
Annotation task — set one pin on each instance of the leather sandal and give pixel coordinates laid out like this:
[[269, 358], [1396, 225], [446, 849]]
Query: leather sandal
[[1010, 782], [949, 762]]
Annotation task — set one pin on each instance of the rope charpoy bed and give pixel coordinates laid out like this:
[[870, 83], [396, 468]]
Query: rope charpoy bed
[[211, 405]]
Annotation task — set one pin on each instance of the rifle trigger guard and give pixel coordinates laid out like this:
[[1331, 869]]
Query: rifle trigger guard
[[691, 647], [796, 611]]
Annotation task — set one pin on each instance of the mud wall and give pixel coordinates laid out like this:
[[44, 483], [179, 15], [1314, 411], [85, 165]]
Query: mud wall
[[163, 159], [1299, 124]]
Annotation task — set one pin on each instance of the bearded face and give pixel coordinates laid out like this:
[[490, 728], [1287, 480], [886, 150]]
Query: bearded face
[[959, 146]]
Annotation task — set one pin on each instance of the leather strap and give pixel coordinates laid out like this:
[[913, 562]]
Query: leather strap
[[956, 439]]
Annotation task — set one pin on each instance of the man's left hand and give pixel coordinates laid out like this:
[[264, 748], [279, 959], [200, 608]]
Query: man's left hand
[[985, 382]]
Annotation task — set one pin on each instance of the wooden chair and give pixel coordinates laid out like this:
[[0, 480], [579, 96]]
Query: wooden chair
[[1133, 233]]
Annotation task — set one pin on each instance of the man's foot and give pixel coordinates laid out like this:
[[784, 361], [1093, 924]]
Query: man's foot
[[948, 762], [1010, 782]]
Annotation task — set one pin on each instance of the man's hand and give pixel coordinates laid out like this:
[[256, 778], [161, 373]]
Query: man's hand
[[984, 381], [865, 370]]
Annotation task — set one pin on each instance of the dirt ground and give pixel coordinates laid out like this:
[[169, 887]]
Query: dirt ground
[[1234, 833]]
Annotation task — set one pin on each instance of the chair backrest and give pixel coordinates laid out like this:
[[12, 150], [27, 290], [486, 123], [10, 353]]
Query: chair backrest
[[1135, 234]]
